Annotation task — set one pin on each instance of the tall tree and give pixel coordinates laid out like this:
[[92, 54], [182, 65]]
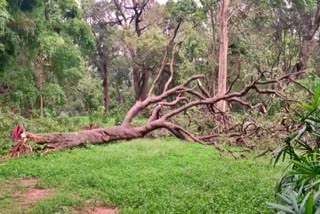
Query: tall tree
[[97, 15], [223, 54]]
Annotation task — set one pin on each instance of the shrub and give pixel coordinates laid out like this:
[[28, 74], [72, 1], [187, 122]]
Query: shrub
[[298, 190]]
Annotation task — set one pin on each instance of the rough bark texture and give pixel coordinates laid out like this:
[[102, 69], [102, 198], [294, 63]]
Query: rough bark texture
[[59, 141], [223, 54], [140, 83]]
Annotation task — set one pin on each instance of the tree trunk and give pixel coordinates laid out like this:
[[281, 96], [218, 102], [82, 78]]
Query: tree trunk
[[118, 93], [213, 78], [106, 97], [102, 63], [223, 54], [140, 83], [59, 141], [304, 53], [41, 105]]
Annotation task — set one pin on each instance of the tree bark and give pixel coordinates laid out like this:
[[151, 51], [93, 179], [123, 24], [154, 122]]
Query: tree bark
[[41, 105], [102, 63], [59, 141], [106, 96], [223, 54], [305, 53], [140, 83]]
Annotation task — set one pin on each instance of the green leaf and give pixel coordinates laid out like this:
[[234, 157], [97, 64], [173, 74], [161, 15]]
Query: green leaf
[[280, 207], [309, 204]]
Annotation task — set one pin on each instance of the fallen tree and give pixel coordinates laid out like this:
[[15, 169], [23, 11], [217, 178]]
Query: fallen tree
[[184, 98], [173, 100]]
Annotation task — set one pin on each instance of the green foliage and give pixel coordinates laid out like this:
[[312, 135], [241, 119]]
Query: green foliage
[[18, 91], [297, 202], [90, 92], [81, 33], [50, 31], [184, 9], [299, 187], [149, 45], [53, 95], [4, 15]]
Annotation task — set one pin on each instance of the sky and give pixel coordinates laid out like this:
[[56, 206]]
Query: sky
[[162, 1]]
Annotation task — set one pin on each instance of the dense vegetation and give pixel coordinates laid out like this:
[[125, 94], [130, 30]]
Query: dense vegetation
[[216, 72]]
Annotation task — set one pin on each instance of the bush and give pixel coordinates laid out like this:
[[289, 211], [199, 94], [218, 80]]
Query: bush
[[299, 189]]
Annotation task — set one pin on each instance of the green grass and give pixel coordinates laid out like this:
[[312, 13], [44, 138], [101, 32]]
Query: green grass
[[146, 176]]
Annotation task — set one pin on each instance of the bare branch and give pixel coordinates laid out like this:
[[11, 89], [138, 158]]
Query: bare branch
[[202, 89], [164, 60], [171, 67], [233, 82], [301, 85]]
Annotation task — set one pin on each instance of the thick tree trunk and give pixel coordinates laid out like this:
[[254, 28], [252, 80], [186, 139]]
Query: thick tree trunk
[[305, 53], [140, 84], [223, 54], [58, 141]]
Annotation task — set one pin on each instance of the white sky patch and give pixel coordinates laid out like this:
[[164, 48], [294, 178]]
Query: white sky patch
[[162, 1], [165, 1]]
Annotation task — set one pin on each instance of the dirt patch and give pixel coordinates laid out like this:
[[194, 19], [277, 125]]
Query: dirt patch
[[101, 210], [28, 182], [30, 194]]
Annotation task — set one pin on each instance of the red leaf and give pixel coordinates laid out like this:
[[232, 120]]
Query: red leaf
[[17, 132]]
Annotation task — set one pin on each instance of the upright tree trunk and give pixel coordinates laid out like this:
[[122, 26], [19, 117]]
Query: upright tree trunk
[[106, 97], [102, 63], [136, 78], [213, 78], [223, 54], [140, 83], [304, 53], [41, 105]]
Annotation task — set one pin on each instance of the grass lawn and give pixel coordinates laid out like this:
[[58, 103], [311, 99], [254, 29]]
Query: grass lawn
[[144, 176]]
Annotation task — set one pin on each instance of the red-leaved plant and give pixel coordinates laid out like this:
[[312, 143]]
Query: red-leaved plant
[[17, 132], [21, 145]]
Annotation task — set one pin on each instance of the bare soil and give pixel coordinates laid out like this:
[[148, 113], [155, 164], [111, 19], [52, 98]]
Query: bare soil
[[30, 195], [101, 210]]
